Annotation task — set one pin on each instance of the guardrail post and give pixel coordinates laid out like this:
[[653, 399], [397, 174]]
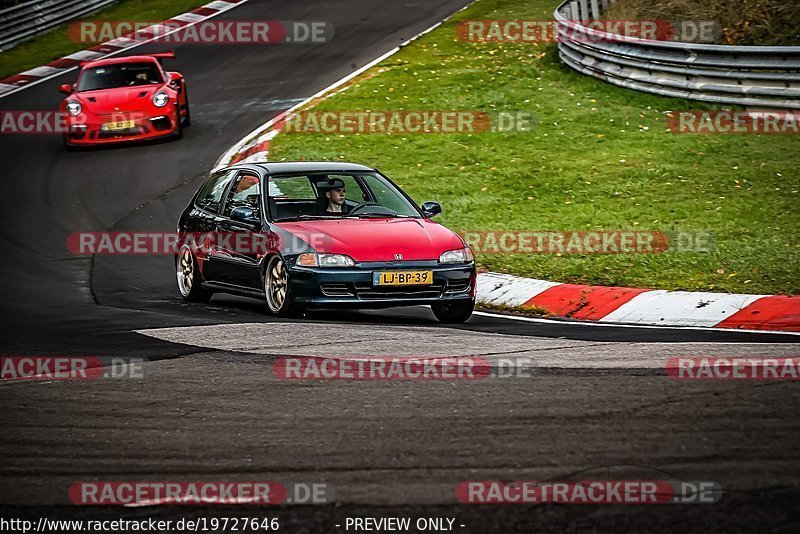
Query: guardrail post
[[595, 12], [576, 15], [584, 10]]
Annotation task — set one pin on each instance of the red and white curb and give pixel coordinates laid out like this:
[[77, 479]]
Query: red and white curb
[[643, 306], [58, 67]]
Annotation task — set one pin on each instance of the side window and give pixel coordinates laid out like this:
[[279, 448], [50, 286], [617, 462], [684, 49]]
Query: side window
[[245, 193], [210, 196]]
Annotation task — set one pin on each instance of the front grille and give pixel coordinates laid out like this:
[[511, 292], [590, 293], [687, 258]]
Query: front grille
[[113, 134], [366, 291]]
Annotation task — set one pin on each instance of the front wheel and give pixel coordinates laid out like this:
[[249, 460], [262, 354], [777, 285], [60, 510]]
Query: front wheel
[[187, 119], [280, 301], [190, 283], [179, 123], [453, 312]]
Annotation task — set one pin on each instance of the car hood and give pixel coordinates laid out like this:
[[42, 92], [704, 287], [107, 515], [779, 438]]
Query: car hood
[[117, 100], [377, 239]]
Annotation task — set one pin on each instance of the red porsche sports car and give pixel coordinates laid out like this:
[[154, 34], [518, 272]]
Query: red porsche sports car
[[125, 99], [316, 234]]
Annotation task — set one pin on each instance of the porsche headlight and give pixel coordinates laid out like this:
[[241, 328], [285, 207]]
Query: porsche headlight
[[74, 108], [461, 255], [325, 260], [160, 99]]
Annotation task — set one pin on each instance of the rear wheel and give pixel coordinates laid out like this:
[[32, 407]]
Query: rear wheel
[[453, 312], [280, 301], [190, 283]]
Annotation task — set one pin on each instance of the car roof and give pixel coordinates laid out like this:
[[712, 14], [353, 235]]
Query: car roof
[[311, 166], [116, 60]]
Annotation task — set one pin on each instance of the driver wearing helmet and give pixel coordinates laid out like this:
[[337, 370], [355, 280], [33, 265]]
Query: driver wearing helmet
[[335, 194]]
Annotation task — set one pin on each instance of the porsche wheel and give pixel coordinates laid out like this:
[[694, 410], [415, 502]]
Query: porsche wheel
[[187, 119], [187, 271], [453, 312], [278, 290]]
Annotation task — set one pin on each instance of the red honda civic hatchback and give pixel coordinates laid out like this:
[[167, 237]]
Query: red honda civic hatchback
[[311, 234], [125, 99]]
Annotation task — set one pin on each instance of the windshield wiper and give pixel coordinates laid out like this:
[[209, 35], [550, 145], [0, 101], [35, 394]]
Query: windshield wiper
[[382, 216], [307, 216]]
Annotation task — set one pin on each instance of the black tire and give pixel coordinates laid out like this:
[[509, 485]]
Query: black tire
[[187, 121], [278, 289], [190, 282], [179, 129], [453, 312]]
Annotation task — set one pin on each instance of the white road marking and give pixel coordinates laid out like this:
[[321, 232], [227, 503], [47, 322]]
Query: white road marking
[[610, 325]]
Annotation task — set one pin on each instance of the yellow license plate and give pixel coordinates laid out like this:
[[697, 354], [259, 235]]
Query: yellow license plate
[[402, 278], [119, 125]]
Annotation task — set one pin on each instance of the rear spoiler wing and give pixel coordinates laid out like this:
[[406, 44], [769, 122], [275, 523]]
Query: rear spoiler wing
[[160, 56]]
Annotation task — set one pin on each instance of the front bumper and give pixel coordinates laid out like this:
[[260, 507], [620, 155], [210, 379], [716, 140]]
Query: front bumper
[[353, 286], [87, 129]]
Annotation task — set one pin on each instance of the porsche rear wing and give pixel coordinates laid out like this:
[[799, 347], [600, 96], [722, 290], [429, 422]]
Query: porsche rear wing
[[161, 56]]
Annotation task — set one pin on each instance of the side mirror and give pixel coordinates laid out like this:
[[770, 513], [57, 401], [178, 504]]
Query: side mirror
[[429, 209], [245, 215], [66, 89]]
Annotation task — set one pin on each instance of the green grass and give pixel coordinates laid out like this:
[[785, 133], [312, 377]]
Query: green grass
[[600, 158], [748, 22], [56, 43]]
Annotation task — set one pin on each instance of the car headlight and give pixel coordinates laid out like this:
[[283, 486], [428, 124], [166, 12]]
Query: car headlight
[[461, 255], [160, 99], [325, 260], [74, 108]]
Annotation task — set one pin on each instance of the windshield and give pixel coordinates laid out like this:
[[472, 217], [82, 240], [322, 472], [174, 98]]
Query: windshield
[[119, 75], [323, 195]]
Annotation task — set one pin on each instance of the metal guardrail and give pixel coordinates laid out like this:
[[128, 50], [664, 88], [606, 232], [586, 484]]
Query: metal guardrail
[[26, 20], [766, 76]]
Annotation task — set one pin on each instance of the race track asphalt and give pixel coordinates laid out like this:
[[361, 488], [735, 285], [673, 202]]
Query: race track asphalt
[[209, 406]]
